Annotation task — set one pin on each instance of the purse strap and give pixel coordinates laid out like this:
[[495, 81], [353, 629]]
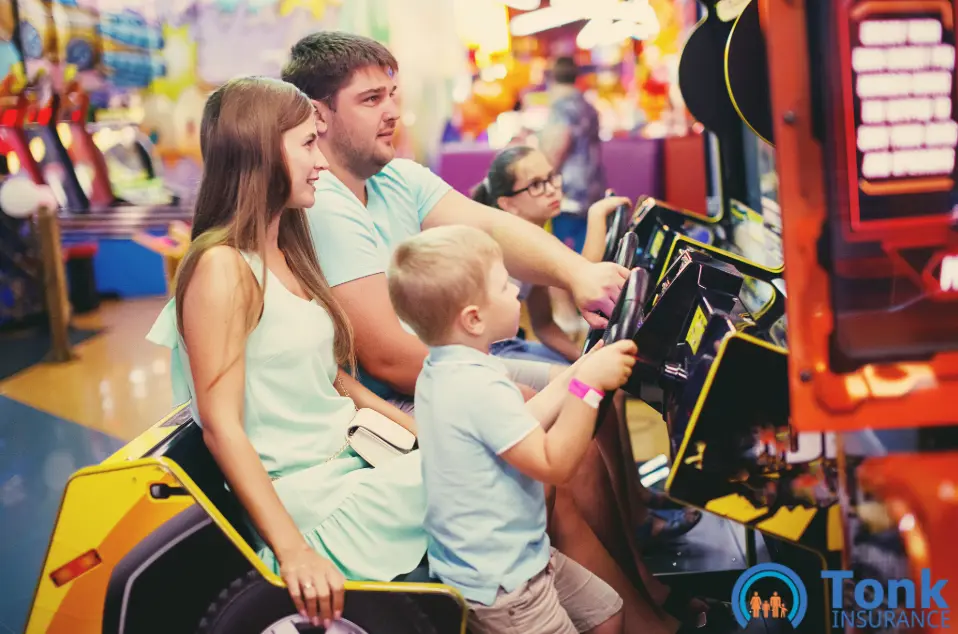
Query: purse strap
[[345, 393]]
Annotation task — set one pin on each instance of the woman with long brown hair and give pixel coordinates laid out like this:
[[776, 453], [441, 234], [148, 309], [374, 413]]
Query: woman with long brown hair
[[258, 343]]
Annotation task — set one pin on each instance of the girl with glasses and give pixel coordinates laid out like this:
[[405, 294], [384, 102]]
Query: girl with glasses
[[522, 182]]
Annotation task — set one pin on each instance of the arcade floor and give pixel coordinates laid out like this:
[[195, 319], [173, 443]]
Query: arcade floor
[[57, 418]]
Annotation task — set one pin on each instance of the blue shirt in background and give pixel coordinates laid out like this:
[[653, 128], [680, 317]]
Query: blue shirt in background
[[354, 241], [486, 521], [583, 177]]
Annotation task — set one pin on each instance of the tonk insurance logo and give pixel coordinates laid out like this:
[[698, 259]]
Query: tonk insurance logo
[[773, 591], [769, 591], [900, 604]]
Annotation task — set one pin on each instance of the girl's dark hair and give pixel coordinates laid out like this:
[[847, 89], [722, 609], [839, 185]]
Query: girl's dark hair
[[501, 179]]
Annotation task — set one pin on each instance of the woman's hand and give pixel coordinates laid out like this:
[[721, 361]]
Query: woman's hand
[[315, 585], [362, 397]]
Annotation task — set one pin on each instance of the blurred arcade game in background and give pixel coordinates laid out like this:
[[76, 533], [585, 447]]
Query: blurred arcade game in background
[[201, 38], [21, 272], [99, 58], [628, 52], [129, 80]]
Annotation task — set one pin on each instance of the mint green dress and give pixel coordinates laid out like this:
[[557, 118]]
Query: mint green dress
[[368, 521]]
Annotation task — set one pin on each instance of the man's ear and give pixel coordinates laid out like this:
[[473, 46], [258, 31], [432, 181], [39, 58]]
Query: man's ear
[[471, 321], [322, 116]]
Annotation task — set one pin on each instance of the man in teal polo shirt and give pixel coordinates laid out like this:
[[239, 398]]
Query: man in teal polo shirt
[[371, 201]]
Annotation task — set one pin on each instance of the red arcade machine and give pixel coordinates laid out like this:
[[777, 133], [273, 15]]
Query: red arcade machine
[[14, 144], [88, 162], [866, 131]]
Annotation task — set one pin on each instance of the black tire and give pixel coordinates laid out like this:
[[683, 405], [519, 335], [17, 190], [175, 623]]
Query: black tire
[[251, 604]]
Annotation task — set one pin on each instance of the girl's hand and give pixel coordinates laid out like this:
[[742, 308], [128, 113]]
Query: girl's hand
[[605, 206], [407, 421], [315, 585]]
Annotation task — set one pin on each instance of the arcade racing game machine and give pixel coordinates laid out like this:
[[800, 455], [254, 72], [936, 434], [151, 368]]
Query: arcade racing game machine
[[866, 143], [699, 268], [722, 78], [725, 369]]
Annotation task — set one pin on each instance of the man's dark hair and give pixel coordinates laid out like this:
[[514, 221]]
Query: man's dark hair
[[565, 71], [322, 63]]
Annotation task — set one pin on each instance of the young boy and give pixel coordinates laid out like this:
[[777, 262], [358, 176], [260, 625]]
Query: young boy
[[486, 453]]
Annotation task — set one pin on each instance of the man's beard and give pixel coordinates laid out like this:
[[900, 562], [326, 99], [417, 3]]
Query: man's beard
[[360, 162]]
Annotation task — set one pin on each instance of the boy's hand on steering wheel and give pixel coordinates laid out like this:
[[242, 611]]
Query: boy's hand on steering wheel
[[604, 206], [598, 346], [315, 585], [596, 288], [610, 367]]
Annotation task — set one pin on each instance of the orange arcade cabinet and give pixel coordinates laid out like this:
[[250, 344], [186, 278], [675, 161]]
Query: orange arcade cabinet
[[866, 131]]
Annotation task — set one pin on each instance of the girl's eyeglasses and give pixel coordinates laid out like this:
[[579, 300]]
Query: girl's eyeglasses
[[538, 187]]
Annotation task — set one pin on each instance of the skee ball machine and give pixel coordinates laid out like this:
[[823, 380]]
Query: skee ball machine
[[866, 129]]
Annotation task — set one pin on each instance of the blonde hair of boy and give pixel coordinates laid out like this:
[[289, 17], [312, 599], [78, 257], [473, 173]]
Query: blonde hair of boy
[[436, 274]]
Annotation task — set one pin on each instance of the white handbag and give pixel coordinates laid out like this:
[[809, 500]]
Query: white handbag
[[376, 438]]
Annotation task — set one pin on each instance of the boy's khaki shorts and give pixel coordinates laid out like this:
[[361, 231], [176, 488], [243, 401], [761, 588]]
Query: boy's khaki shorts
[[565, 598]]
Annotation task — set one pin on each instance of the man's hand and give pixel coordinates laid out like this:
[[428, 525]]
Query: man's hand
[[596, 287], [532, 255]]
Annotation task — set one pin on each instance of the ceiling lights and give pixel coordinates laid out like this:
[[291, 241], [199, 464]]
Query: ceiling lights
[[541, 20], [523, 5], [609, 21]]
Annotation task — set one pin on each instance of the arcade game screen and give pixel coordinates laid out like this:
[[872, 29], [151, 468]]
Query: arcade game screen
[[750, 467], [891, 150]]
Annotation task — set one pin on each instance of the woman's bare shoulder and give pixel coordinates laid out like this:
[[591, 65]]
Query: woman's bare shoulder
[[221, 271]]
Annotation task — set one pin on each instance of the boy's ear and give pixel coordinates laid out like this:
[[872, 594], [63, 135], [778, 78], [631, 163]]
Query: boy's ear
[[471, 321]]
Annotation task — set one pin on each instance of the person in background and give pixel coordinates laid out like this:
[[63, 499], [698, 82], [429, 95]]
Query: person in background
[[570, 142], [521, 181]]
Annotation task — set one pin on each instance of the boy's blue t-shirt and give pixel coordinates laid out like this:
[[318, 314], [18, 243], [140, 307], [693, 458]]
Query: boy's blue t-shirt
[[354, 241], [485, 520]]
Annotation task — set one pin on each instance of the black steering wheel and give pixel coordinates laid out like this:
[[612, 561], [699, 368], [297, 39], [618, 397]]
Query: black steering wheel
[[625, 320], [625, 256], [617, 224], [628, 313]]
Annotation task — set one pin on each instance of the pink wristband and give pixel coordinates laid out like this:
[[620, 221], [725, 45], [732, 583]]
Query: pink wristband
[[590, 395]]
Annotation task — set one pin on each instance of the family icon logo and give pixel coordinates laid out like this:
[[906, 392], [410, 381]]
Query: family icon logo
[[769, 591]]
